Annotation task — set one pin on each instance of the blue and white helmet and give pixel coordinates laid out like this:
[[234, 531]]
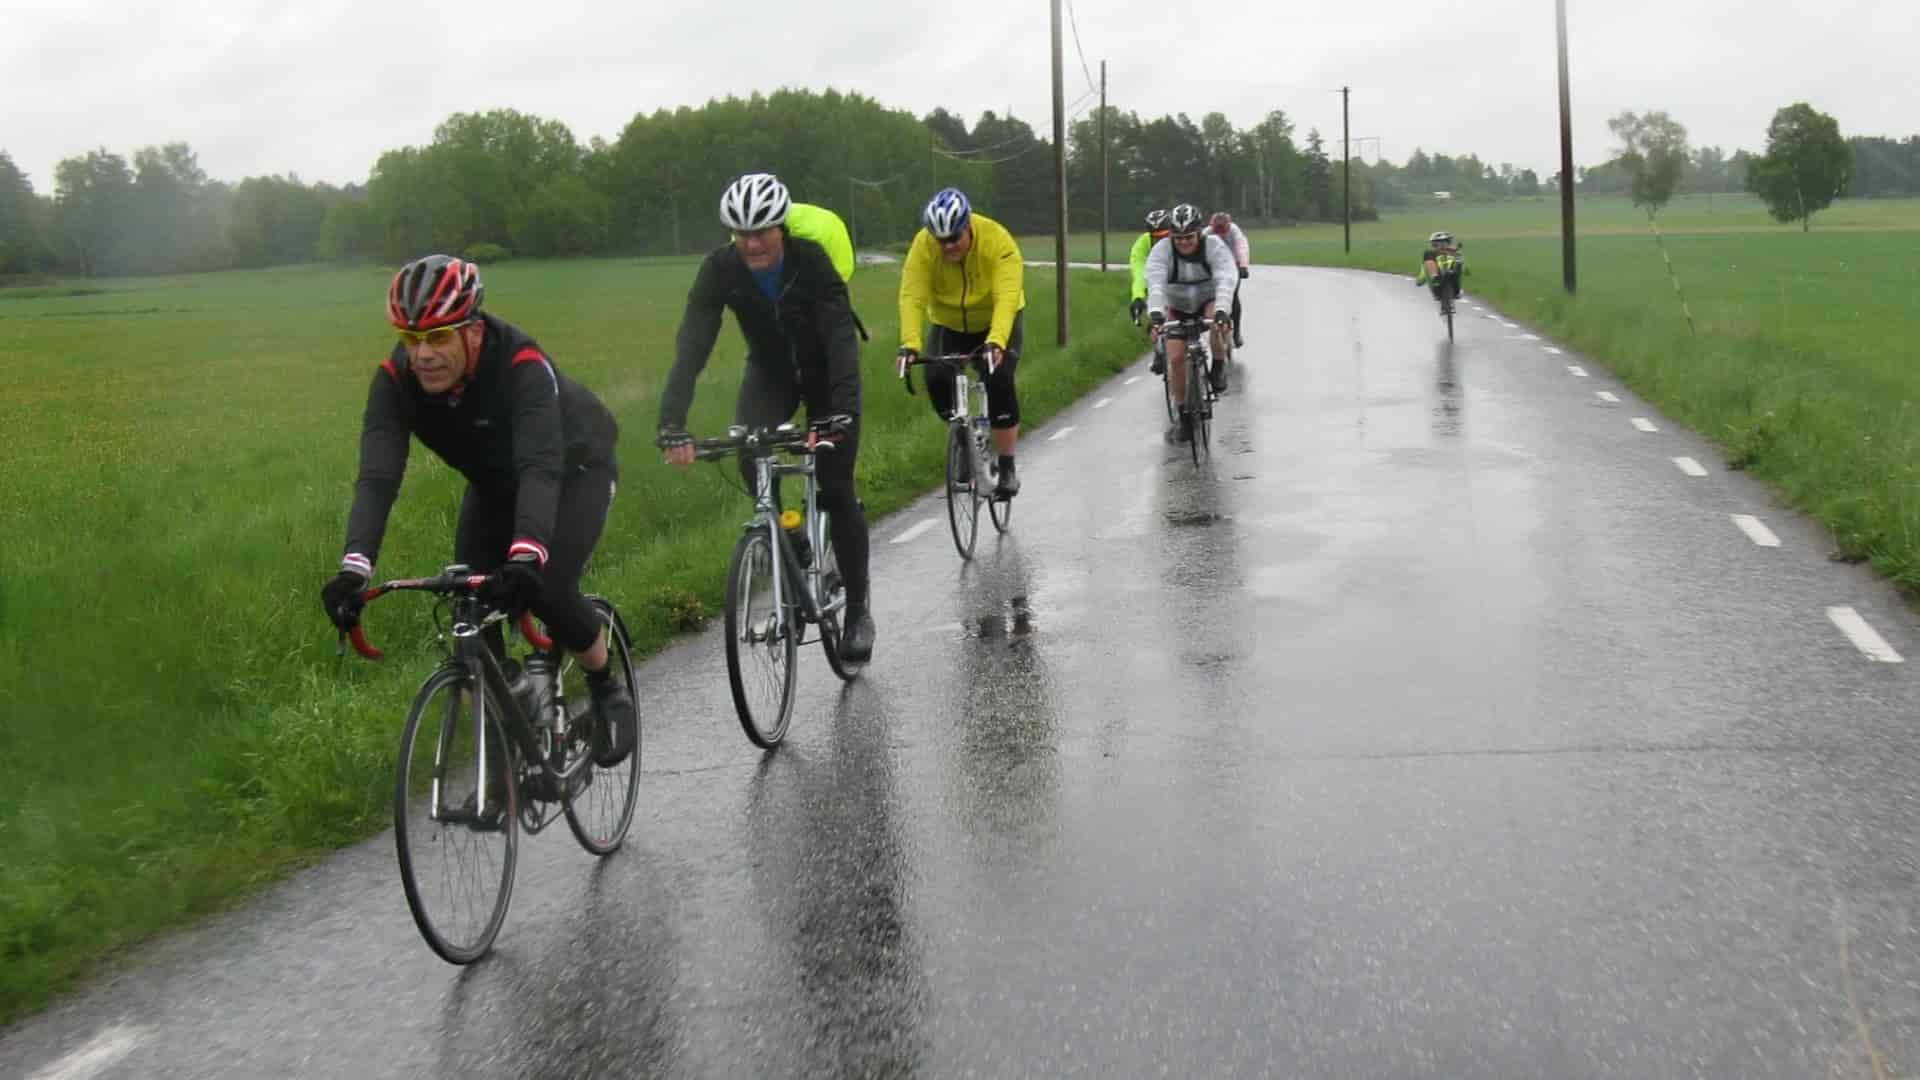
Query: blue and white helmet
[[947, 214], [753, 202]]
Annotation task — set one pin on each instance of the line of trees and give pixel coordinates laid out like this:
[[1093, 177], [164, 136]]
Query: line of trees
[[504, 181]]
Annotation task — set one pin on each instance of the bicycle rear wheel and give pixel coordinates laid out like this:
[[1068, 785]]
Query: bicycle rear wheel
[[834, 589], [601, 813], [456, 853], [762, 642], [963, 490]]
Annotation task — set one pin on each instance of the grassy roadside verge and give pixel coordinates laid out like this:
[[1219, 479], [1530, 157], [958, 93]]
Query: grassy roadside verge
[[183, 453]]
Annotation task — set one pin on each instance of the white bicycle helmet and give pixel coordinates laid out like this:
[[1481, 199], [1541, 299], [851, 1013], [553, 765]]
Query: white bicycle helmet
[[1440, 238], [947, 213], [1184, 220], [753, 202]]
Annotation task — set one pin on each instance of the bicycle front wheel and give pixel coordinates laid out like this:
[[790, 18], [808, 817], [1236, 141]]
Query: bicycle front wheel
[[762, 642], [963, 490], [1197, 402], [455, 817], [600, 813]]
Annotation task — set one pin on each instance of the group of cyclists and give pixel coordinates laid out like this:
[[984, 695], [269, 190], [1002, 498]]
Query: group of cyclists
[[537, 448], [1184, 268]]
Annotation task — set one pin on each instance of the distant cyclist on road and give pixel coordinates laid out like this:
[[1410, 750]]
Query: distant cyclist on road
[[1191, 273], [1156, 231], [791, 304], [536, 448], [1225, 229], [965, 276], [1442, 264]]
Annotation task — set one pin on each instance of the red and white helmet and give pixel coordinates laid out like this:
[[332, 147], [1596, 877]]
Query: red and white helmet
[[438, 290], [753, 202]]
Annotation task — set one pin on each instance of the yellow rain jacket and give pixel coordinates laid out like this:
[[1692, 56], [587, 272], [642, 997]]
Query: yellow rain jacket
[[984, 291]]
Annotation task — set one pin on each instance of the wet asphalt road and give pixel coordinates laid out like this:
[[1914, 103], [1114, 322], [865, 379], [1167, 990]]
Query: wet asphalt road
[[1440, 726]]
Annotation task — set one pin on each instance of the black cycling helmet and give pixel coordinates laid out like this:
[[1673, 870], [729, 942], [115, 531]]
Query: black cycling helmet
[[1156, 219], [438, 290], [1185, 220]]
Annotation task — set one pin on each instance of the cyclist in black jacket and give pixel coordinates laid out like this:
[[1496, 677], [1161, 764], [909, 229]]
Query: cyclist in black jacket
[[793, 309], [537, 450]]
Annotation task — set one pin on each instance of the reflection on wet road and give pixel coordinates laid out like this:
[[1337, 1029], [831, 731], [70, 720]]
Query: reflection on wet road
[[1437, 726]]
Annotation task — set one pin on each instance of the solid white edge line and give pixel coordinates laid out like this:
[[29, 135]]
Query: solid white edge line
[[100, 1052], [1644, 424], [1756, 530], [1062, 433], [1864, 637], [1607, 395], [1689, 466], [1577, 371], [1103, 403], [913, 532]]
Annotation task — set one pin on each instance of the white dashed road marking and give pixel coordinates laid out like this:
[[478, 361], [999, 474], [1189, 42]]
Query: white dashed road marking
[[914, 533], [101, 1052], [1689, 466], [1756, 531], [1644, 424], [1863, 636], [1551, 351], [1576, 370], [1608, 395], [1062, 433], [1103, 403]]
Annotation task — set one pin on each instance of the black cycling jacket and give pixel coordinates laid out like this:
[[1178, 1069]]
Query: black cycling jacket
[[512, 429], [807, 335]]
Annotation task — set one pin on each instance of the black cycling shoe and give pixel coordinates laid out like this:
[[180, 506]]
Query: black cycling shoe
[[1238, 341], [1009, 483], [1181, 433], [617, 720], [856, 639], [1218, 378], [1159, 365]]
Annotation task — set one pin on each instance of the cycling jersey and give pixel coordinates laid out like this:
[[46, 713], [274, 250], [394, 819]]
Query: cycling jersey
[[1138, 260], [805, 335], [1236, 240], [983, 291], [1187, 283], [823, 227], [513, 428]]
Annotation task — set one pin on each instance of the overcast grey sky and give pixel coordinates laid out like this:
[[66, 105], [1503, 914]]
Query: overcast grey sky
[[321, 88]]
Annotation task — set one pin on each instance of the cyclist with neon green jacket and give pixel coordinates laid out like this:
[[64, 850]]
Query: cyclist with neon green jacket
[[1156, 229], [1442, 263]]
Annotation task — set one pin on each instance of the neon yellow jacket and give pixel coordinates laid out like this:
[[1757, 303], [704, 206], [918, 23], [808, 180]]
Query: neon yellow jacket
[[1139, 260], [823, 227], [984, 291]]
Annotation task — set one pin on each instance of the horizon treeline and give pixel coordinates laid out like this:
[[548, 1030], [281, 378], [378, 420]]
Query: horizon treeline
[[504, 182]]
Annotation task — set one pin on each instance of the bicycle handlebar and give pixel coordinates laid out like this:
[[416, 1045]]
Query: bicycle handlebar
[[740, 440], [440, 585], [954, 360]]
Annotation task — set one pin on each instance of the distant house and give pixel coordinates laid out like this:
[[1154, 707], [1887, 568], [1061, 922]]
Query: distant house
[[1443, 195]]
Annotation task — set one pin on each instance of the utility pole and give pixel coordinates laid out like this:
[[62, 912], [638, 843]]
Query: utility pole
[[1566, 157], [1103, 164], [1346, 176], [1059, 178]]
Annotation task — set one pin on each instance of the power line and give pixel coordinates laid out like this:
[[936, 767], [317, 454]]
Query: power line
[[1084, 70]]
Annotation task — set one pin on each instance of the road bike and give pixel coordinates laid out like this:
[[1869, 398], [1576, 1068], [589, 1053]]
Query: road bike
[[972, 471], [492, 746]]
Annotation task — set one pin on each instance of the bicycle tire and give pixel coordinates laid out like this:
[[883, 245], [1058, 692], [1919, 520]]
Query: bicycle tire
[[601, 824], [1446, 305], [831, 625], [418, 836], [760, 658], [999, 510], [1196, 397], [963, 491], [1166, 381]]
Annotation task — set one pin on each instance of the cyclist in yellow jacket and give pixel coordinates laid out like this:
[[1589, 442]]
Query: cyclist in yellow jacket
[[964, 274]]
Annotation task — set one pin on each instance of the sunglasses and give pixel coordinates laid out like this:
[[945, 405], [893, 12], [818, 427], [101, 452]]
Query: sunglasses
[[949, 241], [437, 336]]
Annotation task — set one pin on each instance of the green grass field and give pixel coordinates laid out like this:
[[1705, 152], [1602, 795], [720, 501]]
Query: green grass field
[[181, 457], [1801, 368]]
